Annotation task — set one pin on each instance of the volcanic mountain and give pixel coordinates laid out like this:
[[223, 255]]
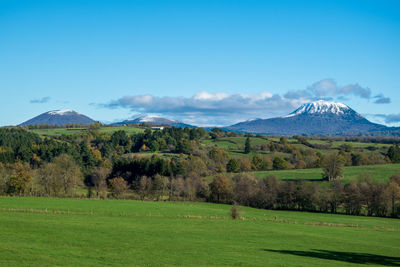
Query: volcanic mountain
[[154, 120], [59, 117], [315, 118]]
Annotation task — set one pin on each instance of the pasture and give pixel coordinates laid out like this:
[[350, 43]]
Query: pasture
[[380, 173], [83, 232], [235, 146], [69, 131]]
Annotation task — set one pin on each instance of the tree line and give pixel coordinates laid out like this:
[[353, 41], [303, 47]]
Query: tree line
[[361, 197], [119, 165], [62, 177]]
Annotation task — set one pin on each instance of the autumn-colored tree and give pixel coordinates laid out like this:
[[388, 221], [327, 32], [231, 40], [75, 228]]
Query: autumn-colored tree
[[20, 180], [194, 164], [145, 187], [3, 178], [191, 187], [245, 164], [35, 161], [98, 180], [260, 164], [221, 189], [301, 164], [143, 148], [219, 156], [244, 188], [68, 172], [96, 153], [177, 187], [118, 187], [333, 166], [160, 186], [94, 128], [267, 194], [60, 177]]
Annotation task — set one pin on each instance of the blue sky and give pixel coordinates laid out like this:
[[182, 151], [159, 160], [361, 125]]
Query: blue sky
[[202, 62]]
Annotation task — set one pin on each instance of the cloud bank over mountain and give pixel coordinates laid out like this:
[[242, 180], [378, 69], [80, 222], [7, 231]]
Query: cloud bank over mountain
[[207, 108]]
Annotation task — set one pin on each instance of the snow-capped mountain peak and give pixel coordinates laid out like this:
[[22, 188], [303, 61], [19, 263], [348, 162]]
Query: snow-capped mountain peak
[[315, 118], [321, 107], [60, 112], [59, 117], [152, 118]]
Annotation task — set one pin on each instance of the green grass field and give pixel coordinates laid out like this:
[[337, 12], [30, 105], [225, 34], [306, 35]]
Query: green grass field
[[127, 129], [82, 232], [379, 172], [235, 146], [57, 131], [69, 131], [234, 143]]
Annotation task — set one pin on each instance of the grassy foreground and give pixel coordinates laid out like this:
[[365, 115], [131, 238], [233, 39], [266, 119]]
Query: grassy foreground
[[82, 232]]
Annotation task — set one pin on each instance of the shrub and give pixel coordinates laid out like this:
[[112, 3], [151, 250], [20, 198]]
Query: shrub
[[235, 212]]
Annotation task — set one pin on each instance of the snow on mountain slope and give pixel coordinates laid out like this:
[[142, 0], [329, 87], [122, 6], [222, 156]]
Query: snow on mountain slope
[[153, 119], [59, 117], [315, 118], [321, 107], [60, 112]]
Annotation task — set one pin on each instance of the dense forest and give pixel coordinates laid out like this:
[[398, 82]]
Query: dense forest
[[187, 164]]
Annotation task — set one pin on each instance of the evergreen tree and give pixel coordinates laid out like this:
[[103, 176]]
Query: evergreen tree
[[247, 146], [394, 154]]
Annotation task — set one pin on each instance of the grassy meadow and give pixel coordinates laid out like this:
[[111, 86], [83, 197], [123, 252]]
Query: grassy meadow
[[235, 146], [380, 173], [69, 131], [83, 232]]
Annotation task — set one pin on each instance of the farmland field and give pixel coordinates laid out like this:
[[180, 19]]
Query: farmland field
[[235, 146], [72, 232], [380, 173], [235, 142], [69, 131]]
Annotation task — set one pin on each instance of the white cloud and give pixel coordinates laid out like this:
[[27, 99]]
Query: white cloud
[[328, 89], [206, 108], [204, 95]]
